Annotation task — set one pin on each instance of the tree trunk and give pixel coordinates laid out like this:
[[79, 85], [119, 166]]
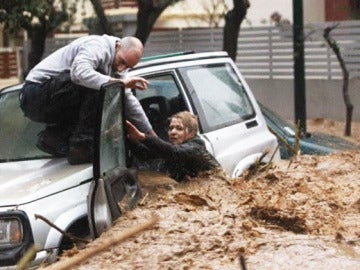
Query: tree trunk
[[148, 12], [348, 104], [345, 89], [233, 20], [37, 48], [99, 10]]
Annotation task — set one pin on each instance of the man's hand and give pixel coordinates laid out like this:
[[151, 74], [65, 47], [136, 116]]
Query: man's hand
[[136, 82], [133, 132]]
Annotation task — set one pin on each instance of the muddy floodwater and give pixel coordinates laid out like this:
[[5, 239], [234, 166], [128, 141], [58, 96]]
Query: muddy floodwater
[[298, 214]]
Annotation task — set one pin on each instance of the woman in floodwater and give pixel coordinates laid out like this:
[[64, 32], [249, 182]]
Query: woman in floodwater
[[184, 155]]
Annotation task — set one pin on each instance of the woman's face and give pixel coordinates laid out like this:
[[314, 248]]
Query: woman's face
[[177, 132]]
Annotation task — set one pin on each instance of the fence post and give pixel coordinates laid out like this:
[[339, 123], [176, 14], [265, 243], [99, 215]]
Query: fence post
[[328, 64], [212, 40], [181, 41], [270, 53]]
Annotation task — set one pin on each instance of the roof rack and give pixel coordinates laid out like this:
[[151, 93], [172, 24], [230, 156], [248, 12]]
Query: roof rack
[[176, 57], [155, 57]]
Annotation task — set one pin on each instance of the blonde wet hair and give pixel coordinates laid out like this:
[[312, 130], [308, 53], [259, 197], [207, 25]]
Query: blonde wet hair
[[189, 120]]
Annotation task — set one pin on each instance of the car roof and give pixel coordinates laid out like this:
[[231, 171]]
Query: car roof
[[11, 88], [178, 57]]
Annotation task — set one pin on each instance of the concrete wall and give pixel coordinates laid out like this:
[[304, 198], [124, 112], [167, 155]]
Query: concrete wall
[[323, 97], [314, 11]]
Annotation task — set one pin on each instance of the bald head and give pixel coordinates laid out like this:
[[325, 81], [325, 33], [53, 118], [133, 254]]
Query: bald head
[[131, 43], [129, 51]]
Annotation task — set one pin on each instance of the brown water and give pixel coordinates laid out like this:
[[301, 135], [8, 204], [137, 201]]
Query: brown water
[[299, 215]]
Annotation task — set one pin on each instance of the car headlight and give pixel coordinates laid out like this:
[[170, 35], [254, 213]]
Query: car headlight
[[11, 232], [15, 236]]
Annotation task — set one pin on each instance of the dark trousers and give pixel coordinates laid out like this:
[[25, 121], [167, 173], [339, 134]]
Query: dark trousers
[[67, 109]]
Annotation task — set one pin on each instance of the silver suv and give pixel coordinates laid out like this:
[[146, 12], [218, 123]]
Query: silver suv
[[84, 199], [210, 86]]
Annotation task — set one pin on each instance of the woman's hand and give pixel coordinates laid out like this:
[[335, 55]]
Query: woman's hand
[[133, 132]]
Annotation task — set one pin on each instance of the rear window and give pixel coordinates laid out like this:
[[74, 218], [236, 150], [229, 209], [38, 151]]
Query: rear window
[[220, 97]]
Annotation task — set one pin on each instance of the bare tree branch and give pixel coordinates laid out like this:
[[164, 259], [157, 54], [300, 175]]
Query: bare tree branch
[[345, 89], [71, 237]]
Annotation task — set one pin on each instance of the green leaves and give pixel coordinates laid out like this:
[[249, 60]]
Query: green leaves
[[49, 14]]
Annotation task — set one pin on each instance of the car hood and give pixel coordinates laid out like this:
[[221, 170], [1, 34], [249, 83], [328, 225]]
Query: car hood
[[329, 141], [24, 181]]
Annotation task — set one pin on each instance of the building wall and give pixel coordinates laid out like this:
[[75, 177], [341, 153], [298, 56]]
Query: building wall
[[314, 11], [184, 13], [338, 10], [260, 11], [187, 13], [190, 13]]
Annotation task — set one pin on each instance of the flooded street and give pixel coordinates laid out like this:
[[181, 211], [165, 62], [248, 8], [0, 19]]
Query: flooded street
[[300, 214], [285, 251]]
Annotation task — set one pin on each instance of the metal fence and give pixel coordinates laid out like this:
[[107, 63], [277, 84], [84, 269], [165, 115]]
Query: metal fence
[[267, 52], [263, 52]]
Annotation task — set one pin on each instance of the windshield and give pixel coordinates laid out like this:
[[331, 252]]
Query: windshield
[[18, 134], [221, 97]]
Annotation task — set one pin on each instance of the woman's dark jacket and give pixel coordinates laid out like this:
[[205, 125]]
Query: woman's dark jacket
[[186, 159]]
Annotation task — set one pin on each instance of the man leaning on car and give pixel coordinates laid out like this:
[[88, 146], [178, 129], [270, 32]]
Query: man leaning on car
[[62, 92]]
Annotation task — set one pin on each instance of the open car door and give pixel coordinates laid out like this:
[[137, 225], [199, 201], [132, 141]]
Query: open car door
[[112, 179]]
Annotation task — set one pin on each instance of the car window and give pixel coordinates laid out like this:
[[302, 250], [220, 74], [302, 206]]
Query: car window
[[160, 85], [18, 134], [161, 100], [220, 98], [112, 153]]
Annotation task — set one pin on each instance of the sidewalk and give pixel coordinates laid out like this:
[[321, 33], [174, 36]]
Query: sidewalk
[[8, 82]]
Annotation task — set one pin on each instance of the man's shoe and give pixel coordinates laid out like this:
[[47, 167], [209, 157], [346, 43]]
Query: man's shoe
[[80, 155], [52, 144]]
